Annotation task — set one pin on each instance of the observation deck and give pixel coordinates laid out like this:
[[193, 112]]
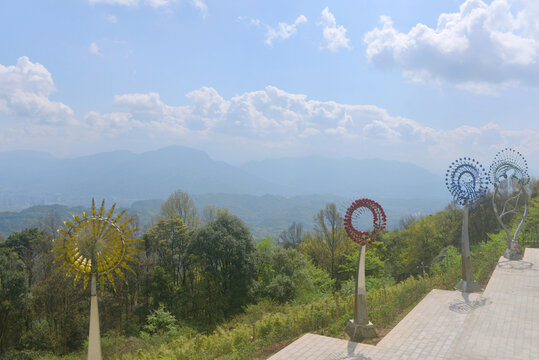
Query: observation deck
[[500, 323]]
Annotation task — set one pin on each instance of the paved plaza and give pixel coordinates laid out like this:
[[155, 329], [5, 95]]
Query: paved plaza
[[501, 323]]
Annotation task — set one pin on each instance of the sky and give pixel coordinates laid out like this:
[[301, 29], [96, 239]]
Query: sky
[[420, 81]]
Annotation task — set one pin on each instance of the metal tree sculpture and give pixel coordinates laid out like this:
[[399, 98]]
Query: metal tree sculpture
[[93, 247], [511, 166], [467, 181], [360, 327]]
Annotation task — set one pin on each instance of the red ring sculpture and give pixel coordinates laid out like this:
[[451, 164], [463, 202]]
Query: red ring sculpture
[[378, 221]]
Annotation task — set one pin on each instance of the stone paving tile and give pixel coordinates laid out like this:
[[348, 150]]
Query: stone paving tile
[[502, 323]]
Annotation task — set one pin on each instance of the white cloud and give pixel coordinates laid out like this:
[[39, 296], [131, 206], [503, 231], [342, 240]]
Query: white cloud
[[482, 48], [334, 35], [150, 102], [275, 115], [201, 6], [24, 92], [249, 124], [275, 119], [110, 124], [283, 30], [150, 109], [94, 49]]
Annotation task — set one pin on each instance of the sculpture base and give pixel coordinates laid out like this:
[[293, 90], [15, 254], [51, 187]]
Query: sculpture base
[[468, 286], [513, 254], [358, 332]]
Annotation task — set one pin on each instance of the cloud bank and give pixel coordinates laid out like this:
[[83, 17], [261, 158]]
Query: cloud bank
[[481, 48], [262, 123], [25, 89]]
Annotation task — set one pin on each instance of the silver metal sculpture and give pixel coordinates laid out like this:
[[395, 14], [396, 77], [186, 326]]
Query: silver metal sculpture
[[510, 167], [360, 327], [467, 181]]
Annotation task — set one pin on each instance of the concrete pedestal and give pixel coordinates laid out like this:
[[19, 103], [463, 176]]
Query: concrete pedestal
[[513, 253], [468, 286], [358, 332]]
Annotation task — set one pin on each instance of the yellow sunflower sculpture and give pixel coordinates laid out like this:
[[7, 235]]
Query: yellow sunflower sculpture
[[97, 245]]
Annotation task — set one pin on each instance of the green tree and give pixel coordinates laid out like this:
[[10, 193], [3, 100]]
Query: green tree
[[292, 236], [224, 251], [286, 274], [13, 289], [168, 240], [530, 231], [482, 220], [29, 244], [374, 266], [180, 205], [210, 213], [328, 224], [59, 313]]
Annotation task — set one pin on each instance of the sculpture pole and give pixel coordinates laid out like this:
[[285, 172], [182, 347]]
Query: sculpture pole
[[512, 252], [361, 315], [509, 164], [466, 181], [360, 327], [467, 282], [94, 341]]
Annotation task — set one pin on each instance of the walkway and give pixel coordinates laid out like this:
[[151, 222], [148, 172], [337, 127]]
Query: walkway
[[501, 323]]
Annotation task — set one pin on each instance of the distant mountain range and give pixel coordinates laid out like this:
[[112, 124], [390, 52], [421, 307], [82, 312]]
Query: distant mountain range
[[29, 178], [35, 178], [268, 195], [350, 177]]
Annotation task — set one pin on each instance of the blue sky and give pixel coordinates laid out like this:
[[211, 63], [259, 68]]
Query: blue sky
[[421, 81]]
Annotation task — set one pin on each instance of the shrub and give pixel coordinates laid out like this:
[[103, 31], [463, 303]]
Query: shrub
[[160, 321]]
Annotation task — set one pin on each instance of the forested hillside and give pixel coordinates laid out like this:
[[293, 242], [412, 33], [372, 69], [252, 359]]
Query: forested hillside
[[263, 215], [205, 289]]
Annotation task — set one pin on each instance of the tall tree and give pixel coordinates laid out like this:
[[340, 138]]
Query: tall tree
[[29, 244], [225, 253], [13, 288], [291, 237], [180, 205], [51, 223], [328, 224], [210, 213], [169, 239]]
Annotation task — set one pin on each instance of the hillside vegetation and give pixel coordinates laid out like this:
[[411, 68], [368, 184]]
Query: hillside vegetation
[[204, 289], [268, 214]]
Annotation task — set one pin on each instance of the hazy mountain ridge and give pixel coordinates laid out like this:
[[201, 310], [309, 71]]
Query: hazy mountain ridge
[[347, 176], [268, 195], [35, 178], [31, 178]]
